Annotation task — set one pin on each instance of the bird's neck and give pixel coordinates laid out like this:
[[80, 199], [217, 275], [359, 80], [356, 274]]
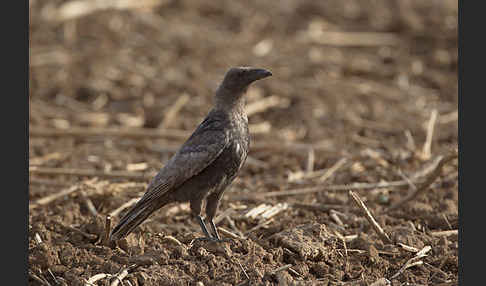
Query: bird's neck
[[227, 100]]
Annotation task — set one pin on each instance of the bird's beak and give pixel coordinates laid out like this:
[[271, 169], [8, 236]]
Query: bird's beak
[[260, 74]]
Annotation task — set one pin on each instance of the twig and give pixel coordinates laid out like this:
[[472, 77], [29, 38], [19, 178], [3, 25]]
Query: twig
[[449, 117], [243, 270], [265, 103], [334, 216], [346, 262], [445, 233], [44, 182], [107, 230], [281, 268], [353, 39], [223, 215], [139, 133], [48, 199], [333, 169], [256, 163], [260, 128], [227, 232], [426, 150], [311, 157], [413, 261], [408, 248], [384, 237], [89, 204], [410, 141], [172, 239], [381, 282], [95, 278], [80, 8], [295, 272], [258, 226], [38, 279], [323, 174], [89, 172], [354, 186], [428, 181], [317, 207], [124, 206], [254, 212], [405, 178], [53, 276], [119, 277], [174, 109], [233, 226]]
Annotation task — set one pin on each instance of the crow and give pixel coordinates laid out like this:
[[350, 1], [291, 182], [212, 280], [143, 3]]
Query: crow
[[206, 163]]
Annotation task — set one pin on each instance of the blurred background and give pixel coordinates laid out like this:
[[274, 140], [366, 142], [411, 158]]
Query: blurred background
[[118, 85]]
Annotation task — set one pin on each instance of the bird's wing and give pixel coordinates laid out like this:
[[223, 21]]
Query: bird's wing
[[201, 149]]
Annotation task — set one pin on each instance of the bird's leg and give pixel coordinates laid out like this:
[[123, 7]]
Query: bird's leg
[[203, 226], [212, 203], [215, 230]]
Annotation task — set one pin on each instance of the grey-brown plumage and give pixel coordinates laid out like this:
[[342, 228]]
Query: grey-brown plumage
[[206, 163]]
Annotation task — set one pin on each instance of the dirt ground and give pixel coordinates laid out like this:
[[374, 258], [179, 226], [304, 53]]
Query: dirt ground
[[363, 98]]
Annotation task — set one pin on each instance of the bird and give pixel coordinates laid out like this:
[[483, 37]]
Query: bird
[[206, 163]]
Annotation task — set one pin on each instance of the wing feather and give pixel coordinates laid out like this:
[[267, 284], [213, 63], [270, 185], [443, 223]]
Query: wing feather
[[199, 151]]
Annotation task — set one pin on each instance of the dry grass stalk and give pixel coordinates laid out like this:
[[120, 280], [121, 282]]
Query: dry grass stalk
[[266, 103], [410, 141], [89, 172], [329, 172], [322, 174], [171, 114], [250, 161], [46, 200], [449, 117], [424, 172], [281, 268], [117, 279], [428, 181], [223, 215], [263, 223], [89, 204], [94, 278], [311, 158], [317, 207], [413, 261], [354, 39], [310, 190], [426, 150], [335, 217], [233, 226], [81, 8], [408, 248], [381, 282], [445, 233], [124, 206], [384, 237], [138, 133], [106, 239], [260, 128]]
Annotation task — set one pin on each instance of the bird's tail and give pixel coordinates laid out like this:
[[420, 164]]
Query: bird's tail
[[133, 218]]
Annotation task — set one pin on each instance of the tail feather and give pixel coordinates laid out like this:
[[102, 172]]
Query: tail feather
[[133, 218]]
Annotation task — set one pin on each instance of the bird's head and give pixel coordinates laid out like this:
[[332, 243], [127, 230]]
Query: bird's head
[[237, 79]]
